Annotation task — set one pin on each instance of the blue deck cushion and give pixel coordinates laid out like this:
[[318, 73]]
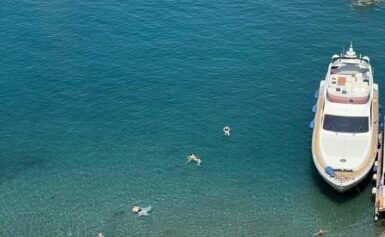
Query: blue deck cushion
[[329, 170]]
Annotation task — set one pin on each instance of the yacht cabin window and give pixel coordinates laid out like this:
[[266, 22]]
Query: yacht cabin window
[[345, 124]]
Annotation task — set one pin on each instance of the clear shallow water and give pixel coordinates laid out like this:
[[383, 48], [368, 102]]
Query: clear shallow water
[[100, 103]]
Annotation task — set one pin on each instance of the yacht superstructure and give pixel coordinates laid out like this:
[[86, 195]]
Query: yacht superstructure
[[346, 121]]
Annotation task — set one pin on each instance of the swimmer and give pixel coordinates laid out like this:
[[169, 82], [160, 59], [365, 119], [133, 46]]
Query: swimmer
[[194, 158], [100, 235], [321, 232], [226, 130], [141, 211]]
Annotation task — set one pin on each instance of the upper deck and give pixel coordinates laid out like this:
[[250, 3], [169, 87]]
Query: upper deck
[[349, 79]]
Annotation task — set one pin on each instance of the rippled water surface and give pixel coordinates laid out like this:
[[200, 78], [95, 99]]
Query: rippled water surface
[[101, 101]]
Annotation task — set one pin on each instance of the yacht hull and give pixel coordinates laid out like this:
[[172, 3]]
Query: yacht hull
[[345, 127], [341, 185], [345, 180]]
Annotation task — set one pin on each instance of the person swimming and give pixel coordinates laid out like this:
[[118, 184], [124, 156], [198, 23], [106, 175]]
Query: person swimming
[[226, 130], [141, 211], [194, 158], [321, 232]]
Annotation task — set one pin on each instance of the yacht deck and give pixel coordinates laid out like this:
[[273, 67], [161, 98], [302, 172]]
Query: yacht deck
[[346, 174]]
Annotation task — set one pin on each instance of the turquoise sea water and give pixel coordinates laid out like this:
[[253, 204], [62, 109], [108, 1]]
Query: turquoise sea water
[[101, 102]]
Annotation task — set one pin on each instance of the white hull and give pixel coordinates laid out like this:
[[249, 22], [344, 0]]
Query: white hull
[[339, 185], [345, 133]]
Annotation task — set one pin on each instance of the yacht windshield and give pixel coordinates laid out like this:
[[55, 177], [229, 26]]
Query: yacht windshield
[[346, 124]]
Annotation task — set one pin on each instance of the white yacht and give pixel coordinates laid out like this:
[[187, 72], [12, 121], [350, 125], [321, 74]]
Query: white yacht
[[345, 126]]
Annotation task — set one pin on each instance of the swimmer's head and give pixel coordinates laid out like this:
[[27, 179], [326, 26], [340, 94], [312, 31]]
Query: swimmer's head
[[136, 209]]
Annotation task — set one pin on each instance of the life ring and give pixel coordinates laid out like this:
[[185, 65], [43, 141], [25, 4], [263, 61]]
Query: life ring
[[226, 130]]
